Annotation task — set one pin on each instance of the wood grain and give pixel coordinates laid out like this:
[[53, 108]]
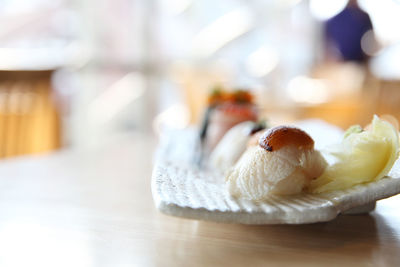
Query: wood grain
[[94, 208]]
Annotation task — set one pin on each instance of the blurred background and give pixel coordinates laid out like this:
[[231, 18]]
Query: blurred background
[[77, 73]]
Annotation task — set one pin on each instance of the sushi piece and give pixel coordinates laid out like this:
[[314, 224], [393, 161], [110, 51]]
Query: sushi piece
[[283, 163], [233, 144], [225, 110]]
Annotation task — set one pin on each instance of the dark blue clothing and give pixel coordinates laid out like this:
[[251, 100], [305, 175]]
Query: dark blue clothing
[[345, 31]]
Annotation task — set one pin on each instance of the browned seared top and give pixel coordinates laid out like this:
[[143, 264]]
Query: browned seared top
[[281, 136]]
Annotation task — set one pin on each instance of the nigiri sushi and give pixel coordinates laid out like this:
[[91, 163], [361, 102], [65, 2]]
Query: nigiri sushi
[[283, 163], [225, 110], [233, 144]]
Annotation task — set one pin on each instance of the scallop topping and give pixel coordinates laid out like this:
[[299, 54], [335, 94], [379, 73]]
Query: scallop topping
[[283, 136], [283, 163]]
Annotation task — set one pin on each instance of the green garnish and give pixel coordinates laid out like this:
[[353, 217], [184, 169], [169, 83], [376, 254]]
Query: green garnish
[[354, 129]]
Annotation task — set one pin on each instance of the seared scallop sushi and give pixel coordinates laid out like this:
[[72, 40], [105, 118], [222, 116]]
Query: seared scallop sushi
[[283, 163]]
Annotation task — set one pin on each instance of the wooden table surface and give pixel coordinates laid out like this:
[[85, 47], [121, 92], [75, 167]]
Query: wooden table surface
[[94, 208]]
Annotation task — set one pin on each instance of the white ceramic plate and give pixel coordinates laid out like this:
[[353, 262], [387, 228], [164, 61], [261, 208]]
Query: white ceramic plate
[[182, 189]]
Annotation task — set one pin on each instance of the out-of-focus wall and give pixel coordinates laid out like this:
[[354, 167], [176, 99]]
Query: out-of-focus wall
[[136, 65]]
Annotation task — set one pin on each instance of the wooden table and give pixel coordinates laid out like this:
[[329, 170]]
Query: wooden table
[[94, 208]]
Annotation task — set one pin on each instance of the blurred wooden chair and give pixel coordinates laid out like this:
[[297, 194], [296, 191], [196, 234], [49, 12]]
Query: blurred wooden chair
[[29, 120]]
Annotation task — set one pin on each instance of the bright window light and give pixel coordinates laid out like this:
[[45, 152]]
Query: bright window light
[[323, 9]]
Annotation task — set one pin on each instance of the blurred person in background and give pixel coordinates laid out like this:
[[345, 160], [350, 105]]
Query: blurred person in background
[[344, 32]]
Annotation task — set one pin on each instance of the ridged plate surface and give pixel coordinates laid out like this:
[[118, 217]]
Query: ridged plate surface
[[180, 188]]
